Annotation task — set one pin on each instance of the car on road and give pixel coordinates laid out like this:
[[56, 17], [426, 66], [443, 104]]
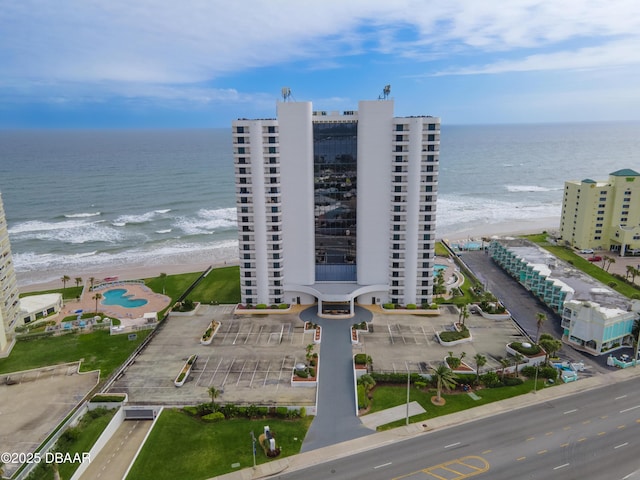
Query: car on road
[[595, 258], [587, 251]]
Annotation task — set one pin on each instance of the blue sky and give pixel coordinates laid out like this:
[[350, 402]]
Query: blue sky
[[202, 63]]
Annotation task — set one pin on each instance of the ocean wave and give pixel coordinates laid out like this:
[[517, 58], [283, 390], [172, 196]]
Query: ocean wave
[[41, 263], [83, 215], [529, 188], [165, 210], [70, 232], [208, 221], [123, 220], [454, 213], [168, 230]]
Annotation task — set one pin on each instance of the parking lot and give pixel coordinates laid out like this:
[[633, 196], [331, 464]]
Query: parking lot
[[250, 360], [398, 343]]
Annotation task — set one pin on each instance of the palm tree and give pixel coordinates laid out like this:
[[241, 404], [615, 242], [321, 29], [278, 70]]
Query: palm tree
[[78, 281], [518, 358], [505, 362], [65, 279], [163, 277], [481, 361], [309, 349], [464, 313], [92, 280], [445, 378], [213, 393], [630, 269], [551, 346], [540, 319], [97, 297], [610, 260]]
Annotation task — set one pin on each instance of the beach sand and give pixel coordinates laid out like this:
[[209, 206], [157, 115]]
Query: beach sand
[[30, 282]]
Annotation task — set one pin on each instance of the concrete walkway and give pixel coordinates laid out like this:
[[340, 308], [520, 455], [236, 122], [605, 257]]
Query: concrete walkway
[[336, 420], [374, 420]]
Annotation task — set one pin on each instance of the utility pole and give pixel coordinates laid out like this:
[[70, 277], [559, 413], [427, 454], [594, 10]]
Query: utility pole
[[408, 382], [535, 382]]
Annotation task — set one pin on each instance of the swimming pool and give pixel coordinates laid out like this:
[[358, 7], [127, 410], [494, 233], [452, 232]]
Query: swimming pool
[[117, 297], [438, 267]]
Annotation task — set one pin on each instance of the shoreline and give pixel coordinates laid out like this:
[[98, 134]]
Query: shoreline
[[29, 281]]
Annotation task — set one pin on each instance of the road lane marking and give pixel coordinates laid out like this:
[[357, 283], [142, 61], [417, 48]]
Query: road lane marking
[[548, 433], [582, 439], [561, 466], [530, 438], [541, 452], [570, 411], [519, 459], [621, 445], [601, 433], [452, 445], [486, 451], [565, 445], [383, 465], [604, 416], [629, 409], [586, 422], [472, 465], [566, 428], [620, 397], [620, 427]]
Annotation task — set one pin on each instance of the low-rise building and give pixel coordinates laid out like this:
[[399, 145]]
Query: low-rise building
[[594, 317], [35, 307]]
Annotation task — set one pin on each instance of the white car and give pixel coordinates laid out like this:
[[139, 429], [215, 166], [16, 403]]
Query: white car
[[587, 251]]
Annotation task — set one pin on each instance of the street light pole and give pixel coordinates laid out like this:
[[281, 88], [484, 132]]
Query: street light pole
[[535, 382], [408, 382], [253, 444]]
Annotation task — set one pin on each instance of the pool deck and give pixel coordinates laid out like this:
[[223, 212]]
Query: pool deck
[[155, 303]]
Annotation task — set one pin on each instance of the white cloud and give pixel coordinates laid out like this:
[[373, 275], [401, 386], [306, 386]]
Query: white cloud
[[112, 43]]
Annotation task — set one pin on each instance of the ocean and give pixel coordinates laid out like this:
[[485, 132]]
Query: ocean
[[81, 200]]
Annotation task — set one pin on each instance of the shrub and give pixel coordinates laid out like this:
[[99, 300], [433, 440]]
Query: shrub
[[302, 373], [283, 306], [490, 380], [612, 284], [528, 351], [453, 362], [544, 371], [214, 417], [454, 335], [362, 359], [262, 411], [395, 377], [180, 377], [261, 306], [107, 398], [363, 399], [389, 306], [303, 412], [412, 306], [312, 372], [512, 381], [282, 412]]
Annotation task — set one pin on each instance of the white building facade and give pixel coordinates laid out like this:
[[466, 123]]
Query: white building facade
[[336, 207], [9, 295]]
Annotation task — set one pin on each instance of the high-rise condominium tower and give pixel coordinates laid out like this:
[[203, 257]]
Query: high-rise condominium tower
[[9, 298], [336, 207]]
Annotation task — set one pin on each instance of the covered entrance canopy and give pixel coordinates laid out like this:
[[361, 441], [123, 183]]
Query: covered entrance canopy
[[336, 298]]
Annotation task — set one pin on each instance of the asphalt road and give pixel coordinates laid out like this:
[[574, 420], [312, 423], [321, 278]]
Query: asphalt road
[[591, 435], [524, 307]]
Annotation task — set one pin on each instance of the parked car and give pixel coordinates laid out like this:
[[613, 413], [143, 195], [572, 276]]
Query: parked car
[[595, 258], [587, 251]]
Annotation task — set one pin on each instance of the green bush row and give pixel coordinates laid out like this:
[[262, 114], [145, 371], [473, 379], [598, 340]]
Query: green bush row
[[454, 335], [234, 411], [529, 351]]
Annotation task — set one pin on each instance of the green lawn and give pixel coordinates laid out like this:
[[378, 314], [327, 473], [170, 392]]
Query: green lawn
[[222, 285], [69, 293], [98, 349], [590, 268], [387, 396], [200, 450]]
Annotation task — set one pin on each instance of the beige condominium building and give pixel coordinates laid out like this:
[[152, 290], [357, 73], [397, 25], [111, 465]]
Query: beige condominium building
[[9, 298], [603, 215]]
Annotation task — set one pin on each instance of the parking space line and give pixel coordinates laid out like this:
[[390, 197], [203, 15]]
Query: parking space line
[[228, 370], [390, 334], [241, 372], [259, 334]]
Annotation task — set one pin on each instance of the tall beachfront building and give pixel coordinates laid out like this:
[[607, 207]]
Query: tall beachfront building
[[603, 214], [9, 297], [336, 207]]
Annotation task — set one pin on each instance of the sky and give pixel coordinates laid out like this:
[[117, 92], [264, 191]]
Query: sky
[[203, 63]]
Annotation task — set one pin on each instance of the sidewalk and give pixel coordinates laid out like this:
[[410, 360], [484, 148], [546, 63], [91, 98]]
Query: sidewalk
[[352, 447]]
